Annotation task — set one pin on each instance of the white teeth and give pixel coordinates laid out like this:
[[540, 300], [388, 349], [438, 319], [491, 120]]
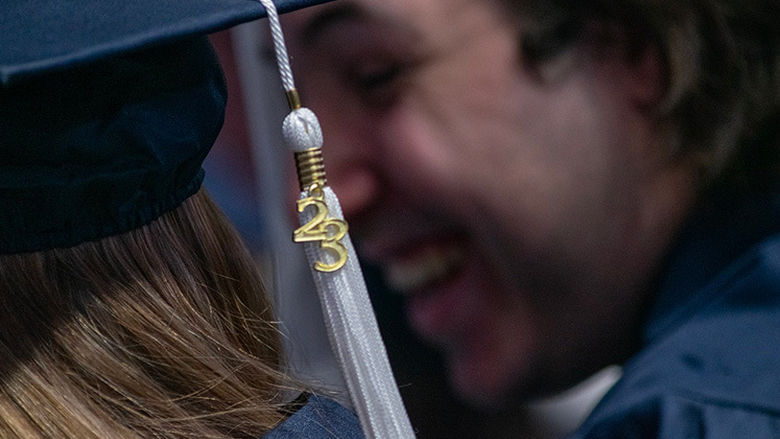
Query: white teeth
[[429, 266]]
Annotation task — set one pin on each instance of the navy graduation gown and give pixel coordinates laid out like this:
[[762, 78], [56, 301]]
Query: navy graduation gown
[[710, 362], [319, 418]]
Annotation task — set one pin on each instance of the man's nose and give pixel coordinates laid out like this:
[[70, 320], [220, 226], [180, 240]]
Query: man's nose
[[353, 160]]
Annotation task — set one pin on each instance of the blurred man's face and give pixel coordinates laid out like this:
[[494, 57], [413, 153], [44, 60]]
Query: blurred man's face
[[518, 215]]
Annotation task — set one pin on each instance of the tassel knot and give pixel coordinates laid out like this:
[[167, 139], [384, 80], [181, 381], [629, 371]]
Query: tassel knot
[[301, 130]]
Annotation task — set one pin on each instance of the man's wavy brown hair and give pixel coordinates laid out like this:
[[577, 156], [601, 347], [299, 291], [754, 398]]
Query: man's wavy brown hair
[[722, 64]]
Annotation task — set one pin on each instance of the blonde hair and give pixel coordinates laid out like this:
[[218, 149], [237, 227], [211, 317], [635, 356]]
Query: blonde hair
[[160, 332]]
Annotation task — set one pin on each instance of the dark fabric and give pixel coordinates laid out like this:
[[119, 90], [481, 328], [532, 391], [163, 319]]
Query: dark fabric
[[710, 367], [41, 35], [103, 149], [320, 418], [107, 109]]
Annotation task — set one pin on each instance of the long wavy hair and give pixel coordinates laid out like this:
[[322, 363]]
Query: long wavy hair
[[163, 332]]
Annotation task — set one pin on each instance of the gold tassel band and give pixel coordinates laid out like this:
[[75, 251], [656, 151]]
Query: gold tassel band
[[311, 168]]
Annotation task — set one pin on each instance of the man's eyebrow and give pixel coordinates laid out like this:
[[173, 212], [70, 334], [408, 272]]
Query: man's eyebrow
[[330, 17]]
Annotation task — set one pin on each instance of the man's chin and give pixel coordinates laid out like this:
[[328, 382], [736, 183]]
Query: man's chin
[[483, 384]]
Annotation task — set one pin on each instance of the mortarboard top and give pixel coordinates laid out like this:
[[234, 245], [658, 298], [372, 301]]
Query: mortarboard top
[[42, 35], [107, 110]]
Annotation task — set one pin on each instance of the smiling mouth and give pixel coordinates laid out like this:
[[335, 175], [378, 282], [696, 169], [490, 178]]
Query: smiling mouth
[[424, 268]]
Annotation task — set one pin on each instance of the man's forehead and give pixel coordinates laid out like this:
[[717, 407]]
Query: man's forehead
[[429, 19]]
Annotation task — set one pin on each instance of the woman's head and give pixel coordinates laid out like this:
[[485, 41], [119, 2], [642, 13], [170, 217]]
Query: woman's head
[[129, 305], [163, 331]]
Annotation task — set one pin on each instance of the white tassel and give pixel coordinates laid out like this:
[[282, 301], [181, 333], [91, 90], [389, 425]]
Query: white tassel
[[355, 337], [301, 130], [349, 317]]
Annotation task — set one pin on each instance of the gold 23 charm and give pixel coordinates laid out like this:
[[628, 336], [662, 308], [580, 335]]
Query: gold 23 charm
[[328, 231]]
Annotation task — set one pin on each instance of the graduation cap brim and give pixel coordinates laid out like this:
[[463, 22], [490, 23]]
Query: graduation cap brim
[[43, 35]]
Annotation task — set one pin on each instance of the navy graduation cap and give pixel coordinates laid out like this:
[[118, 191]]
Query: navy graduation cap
[[107, 109]]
